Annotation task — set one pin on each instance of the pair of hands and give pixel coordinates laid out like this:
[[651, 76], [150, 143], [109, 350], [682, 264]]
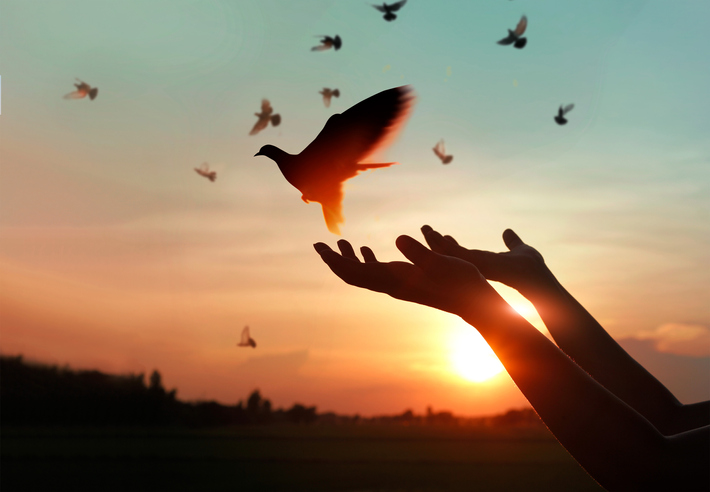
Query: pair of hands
[[447, 276]]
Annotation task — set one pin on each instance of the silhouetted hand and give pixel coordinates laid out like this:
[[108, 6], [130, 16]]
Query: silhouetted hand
[[442, 282], [521, 268]]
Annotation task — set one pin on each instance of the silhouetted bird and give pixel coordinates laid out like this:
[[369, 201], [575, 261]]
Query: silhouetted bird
[[560, 118], [514, 36], [204, 170], [388, 9], [327, 94], [335, 155], [440, 152], [246, 340], [327, 42], [264, 117], [82, 90]]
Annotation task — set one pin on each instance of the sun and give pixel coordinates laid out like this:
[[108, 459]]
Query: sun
[[472, 358]]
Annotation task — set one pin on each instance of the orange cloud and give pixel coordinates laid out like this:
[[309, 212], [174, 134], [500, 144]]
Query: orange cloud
[[680, 338]]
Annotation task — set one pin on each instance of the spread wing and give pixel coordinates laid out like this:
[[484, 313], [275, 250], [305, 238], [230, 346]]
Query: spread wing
[[394, 7], [380, 8], [75, 95], [205, 167], [567, 108], [360, 132], [259, 125], [509, 40], [522, 25], [332, 204], [245, 337]]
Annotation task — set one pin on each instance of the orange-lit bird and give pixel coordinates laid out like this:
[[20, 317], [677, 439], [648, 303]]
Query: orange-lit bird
[[560, 118], [82, 90], [327, 94], [338, 151], [440, 152], [246, 341], [327, 42], [388, 9], [265, 117], [204, 170], [515, 36]]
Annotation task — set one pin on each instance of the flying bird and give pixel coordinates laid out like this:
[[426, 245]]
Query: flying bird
[[82, 90], [327, 42], [338, 152], [327, 94], [560, 118], [440, 152], [204, 170], [246, 341], [515, 36], [264, 117], [388, 9]]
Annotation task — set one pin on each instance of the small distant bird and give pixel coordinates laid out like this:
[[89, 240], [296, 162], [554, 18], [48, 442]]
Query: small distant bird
[[204, 170], [335, 155], [440, 152], [264, 117], [327, 94], [82, 90], [327, 42], [560, 118], [246, 340], [388, 9], [515, 36]]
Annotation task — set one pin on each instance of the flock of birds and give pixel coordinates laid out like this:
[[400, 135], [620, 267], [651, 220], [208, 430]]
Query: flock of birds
[[347, 142]]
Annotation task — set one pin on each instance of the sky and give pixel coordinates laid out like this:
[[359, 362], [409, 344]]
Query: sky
[[116, 255]]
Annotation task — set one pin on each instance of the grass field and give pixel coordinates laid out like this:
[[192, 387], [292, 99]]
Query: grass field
[[289, 458]]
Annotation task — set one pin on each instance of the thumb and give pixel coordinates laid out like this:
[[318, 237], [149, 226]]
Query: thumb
[[511, 239]]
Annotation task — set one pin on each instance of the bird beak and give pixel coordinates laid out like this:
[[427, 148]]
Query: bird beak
[[258, 153]]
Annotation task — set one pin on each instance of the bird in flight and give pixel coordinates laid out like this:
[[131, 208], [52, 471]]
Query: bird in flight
[[246, 341], [82, 90], [388, 9], [440, 152], [560, 118], [515, 36], [338, 152], [204, 170], [327, 94], [264, 117], [327, 42]]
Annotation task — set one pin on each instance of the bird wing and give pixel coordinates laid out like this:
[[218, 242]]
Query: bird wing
[[245, 336], [332, 204], [509, 40], [320, 47], [360, 132], [78, 94], [567, 108], [380, 8], [260, 124], [326, 99], [522, 25], [394, 7]]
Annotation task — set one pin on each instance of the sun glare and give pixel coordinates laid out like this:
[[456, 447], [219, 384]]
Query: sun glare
[[472, 358]]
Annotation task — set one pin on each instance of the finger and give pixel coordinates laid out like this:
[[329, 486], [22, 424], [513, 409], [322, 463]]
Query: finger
[[321, 248], [438, 243], [449, 238], [416, 252], [347, 250], [511, 239], [368, 255]]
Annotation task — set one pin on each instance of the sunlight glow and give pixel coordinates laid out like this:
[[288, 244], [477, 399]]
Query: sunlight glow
[[472, 358]]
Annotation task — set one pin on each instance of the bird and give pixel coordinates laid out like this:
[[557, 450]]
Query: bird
[[515, 36], [204, 170], [388, 9], [327, 42], [560, 118], [338, 152], [264, 117], [440, 152], [246, 341], [327, 94], [82, 90]]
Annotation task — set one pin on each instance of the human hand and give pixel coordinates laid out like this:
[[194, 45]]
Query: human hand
[[522, 267], [442, 282]]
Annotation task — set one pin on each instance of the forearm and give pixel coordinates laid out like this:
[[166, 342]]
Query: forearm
[[615, 444]]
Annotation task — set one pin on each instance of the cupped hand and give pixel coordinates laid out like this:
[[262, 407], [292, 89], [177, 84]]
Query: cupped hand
[[432, 279], [521, 268]]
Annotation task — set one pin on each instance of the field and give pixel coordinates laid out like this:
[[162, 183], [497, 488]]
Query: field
[[289, 458]]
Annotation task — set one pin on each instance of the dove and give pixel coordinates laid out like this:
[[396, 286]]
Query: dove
[[204, 170], [246, 341], [440, 152], [338, 152], [264, 117], [82, 90], [514, 36], [560, 118], [327, 42], [388, 9], [327, 94]]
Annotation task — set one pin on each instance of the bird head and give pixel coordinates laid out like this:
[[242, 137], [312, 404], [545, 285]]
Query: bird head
[[270, 151]]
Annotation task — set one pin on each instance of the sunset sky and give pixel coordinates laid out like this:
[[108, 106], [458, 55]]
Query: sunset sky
[[116, 255]]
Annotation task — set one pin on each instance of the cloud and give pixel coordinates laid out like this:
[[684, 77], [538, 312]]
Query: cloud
[[679, 338]]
